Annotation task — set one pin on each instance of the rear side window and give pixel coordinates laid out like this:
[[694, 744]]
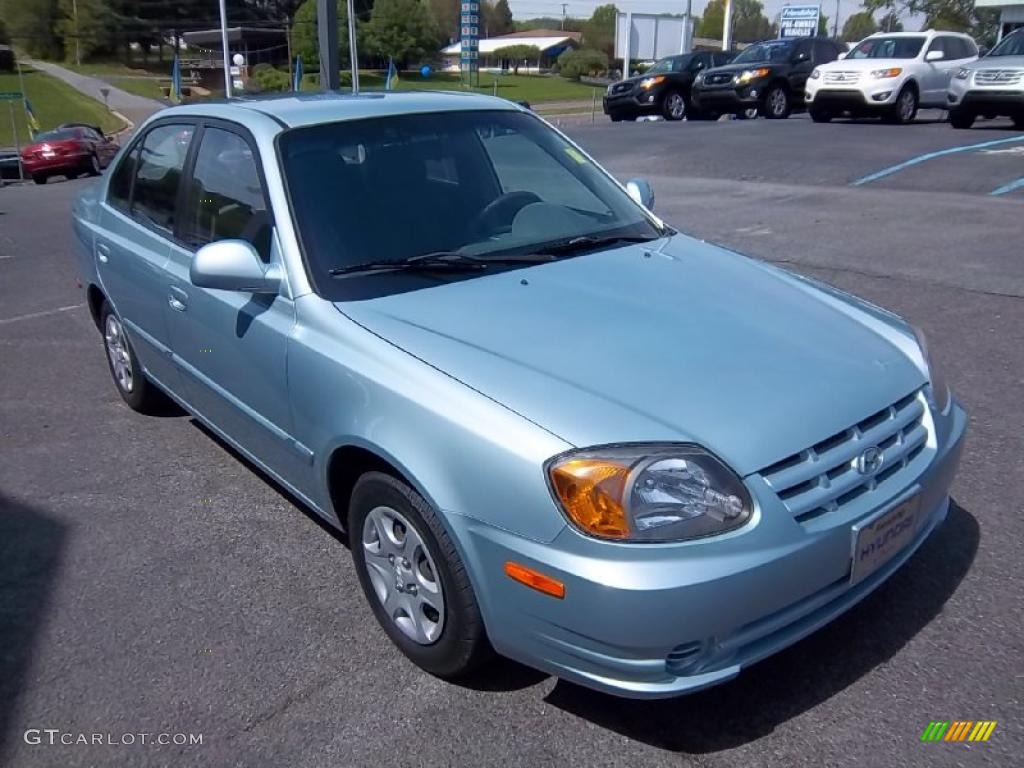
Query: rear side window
[[824, 52], [119, 193], [226, 199], [158, 175]]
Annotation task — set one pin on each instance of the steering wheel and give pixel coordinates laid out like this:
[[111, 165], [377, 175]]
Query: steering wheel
[[497, 215]]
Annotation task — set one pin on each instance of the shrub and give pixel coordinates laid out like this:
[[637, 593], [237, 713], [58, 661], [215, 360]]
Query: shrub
[[269, 79], [574, 64]]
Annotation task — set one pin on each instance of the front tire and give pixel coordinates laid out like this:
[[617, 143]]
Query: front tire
[[39, 178], [776, 104], [960, 119], [820, 115], [92, 166], [135, 389], [413, 578], [904, 110], [673, 106]]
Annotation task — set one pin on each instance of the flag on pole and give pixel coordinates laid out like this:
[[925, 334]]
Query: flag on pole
[[392, 79], [33, 124], [176, 81], [297, 82]]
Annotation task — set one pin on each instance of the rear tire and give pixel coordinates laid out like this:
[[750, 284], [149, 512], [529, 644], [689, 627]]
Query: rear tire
[[961, 119], [820, 115], [135, 389], [396, 535], [93, 166], [39, 178]]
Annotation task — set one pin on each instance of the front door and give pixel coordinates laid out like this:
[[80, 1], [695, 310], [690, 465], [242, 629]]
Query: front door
[[231, 345]]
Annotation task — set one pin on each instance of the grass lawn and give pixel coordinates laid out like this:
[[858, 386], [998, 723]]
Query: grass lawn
[[140, 86], [535, 89], [53, 103]]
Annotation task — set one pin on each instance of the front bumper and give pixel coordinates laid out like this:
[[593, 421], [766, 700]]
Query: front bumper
[[650, 621], [851, 99], [729, 98], [56, 164], [994, 101], [636, 102]]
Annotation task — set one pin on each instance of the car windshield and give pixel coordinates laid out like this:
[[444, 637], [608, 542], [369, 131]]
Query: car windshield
[[1010, 46], [476, 184], [772, 50], [58, 135], [671, 64], [887, 48]]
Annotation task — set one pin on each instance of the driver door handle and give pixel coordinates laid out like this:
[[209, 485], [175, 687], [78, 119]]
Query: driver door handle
[[177, 299], [103, 252]]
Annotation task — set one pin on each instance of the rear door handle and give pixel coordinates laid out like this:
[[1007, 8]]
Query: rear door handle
[[103, 252], [177, 299]]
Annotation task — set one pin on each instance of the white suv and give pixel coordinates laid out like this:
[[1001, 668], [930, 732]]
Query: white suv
[[991, 86], [889, 74]]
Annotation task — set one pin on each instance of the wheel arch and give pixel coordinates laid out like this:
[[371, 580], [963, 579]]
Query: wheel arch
[[95, 298]]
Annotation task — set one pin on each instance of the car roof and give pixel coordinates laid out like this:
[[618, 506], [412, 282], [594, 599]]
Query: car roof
[[922, 33], [315, 107]]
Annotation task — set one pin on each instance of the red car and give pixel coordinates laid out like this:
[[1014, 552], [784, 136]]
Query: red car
[[68, 151]]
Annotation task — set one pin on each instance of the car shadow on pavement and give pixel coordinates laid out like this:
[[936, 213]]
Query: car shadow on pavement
[[803, 676], [31, 545]]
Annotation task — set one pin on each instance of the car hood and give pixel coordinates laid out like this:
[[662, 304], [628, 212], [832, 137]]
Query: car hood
[[735, 69], [693, 343], [997, 62], [865, 65]]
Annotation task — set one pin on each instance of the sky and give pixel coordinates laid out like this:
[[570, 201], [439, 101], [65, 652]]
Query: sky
[[528, 9]]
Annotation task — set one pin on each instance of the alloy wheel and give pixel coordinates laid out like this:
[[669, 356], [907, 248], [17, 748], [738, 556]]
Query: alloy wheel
[[676, 106], [119, 354], [94, 165], [906, 106], [777, 102], [403, 575]]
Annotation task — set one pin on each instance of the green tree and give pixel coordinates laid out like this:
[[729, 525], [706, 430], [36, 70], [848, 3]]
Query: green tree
[[30, 23], [304, 34], [499, 19], [749, 23], [599, 30], [573, 64], [402, 30], [446, 14], [550, 22], [87, 27], [516, 54], [858, 26]]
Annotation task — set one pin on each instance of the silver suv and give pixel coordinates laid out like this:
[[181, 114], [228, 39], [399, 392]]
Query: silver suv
[[992, 86]]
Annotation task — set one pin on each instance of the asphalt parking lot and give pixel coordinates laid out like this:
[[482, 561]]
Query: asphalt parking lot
[[151, 581]]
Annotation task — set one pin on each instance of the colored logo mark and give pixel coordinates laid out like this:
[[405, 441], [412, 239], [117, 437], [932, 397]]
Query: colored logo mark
[[958, 730]]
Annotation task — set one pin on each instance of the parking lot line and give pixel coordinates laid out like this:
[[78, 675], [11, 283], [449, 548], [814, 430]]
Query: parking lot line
[[1018, 184], [33, 315], [930, 156]]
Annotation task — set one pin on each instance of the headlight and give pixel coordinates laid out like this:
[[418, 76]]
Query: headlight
[[937, 391], [880, 74], [815, 74], [648, 492], [962, 74], [650, 82], [752, 74]]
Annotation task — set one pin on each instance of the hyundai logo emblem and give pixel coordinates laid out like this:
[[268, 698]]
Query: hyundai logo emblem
[[869, 462]]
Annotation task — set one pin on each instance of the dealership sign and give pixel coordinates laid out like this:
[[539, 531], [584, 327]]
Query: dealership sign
[[469, 33], [799, 20]]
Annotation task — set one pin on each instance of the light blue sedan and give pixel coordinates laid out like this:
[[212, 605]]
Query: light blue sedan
[[552, 426]]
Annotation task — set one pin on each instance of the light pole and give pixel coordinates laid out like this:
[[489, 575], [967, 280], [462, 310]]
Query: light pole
[[224, 45], [727, 27], [835, 26]]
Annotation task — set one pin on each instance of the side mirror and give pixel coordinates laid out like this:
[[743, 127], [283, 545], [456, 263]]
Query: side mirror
[[640, 190], [233, 265], [841, 56], [934, 55]]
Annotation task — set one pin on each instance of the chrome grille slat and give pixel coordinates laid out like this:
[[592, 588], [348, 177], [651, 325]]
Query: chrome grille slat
[[822, 478], [999, 76], [845, 76]]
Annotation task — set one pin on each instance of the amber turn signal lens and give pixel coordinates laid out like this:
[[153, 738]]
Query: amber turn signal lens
[[591, 492], [535, 579]]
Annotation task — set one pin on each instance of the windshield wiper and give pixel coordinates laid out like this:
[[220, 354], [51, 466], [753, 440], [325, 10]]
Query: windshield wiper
[[590, 242], [437, 261]]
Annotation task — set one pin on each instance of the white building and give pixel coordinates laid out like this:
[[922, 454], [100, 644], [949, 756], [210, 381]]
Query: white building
[[1011, 14]]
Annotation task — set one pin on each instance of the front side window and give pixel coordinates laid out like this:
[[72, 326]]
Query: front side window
[[226, 198], [159, 168], [119, 193], [888, 48], [476, 184]]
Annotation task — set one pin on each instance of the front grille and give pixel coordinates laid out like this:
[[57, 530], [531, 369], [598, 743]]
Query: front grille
[[718, 79], [823, 478], [999, 77], [841, 77]]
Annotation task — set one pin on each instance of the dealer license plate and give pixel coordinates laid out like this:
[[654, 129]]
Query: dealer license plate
[[877, 541]]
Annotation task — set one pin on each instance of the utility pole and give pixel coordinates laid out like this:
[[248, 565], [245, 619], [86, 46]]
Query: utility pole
[[727, 27], [327, 37], [78, 46], [225, 52], [564, 6], [835, 26]]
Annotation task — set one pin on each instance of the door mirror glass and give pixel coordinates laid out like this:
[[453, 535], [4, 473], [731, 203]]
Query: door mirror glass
[[233, 265], [640, 190], [842, 55], [934, 55]]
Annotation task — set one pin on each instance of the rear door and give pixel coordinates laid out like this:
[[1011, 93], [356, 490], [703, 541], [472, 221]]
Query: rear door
[[133, 241], [939, 73], [802, 64]]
